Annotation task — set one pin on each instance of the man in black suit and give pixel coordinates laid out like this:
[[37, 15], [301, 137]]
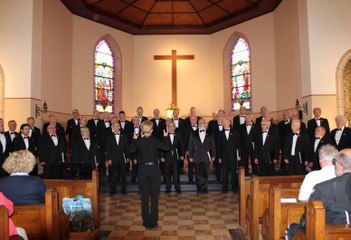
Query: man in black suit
[[51, 153], [296, 150], [102, 131], [228, 153], [341, 136], [188, 131], [76, 130], [266, 149], [23, 141], [239, 119], [202, 152], [85, 149], [126, 126], [178, 122], [5, 145], [295, 115], [159, 125], [320, 139], [34, 132], [172, 157], [93, 123], [71, 123], [263, 112], [284, 128], [247, 134], [193, 113], [140, 112], [11, 133], [60, 131], [317, 121], [117, 156]]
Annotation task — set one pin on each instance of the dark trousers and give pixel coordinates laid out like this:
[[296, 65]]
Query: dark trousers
[[171, 168], [134, 171], [149, 179], [229, 167], [245, 158], [218, 169], [118, 167], [266, 168], [190, 171], [295, 166], [52, 171], [201, 170]]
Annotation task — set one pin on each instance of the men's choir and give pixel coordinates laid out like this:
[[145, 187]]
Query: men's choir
[[260, 146]]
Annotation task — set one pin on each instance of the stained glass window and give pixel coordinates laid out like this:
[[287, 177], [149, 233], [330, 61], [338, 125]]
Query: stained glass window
[[240, 75], [104, 78]]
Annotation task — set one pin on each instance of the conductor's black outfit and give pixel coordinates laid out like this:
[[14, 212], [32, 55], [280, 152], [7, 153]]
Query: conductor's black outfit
[[149, 176], [117, 152]]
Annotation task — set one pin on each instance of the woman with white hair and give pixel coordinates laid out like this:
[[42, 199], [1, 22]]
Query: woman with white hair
[[149, 174], [19, 187]]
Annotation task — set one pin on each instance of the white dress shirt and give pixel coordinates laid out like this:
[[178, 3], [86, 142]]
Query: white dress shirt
[[123, 124], [3, 142], [107, 124], [176, 122], [202, 134], [318, 121], [194, 127], [157, 120], [313, 178], [87, 142], [264, 136], [227, 131], [12, 135], [338, 135], [316, 142], [117, 136], [293, 147], [26, 141], [220, 126], [54, 139], [248, 128], [171, 136]]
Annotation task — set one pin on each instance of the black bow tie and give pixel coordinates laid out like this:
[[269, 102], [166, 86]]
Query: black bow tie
[[249, 124], [286, 121], [86, 138], [295, 134], [317, 119], [1, 132], [122, 121], [136, 127], [116, 133], [242, 116], [25, 137], [12, 132], [175, 119], [171, 133], [317, 138], [226, 130], [339, 129], [53, 135], [202, 131], [264, 131]]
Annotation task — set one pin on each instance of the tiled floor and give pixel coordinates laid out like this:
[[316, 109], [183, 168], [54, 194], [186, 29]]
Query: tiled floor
[[185, 216]]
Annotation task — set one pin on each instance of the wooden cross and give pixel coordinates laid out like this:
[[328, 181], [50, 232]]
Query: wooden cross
[[174, 57]]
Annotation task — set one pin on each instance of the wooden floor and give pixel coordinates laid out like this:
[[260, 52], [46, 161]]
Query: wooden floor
[[185, 216]]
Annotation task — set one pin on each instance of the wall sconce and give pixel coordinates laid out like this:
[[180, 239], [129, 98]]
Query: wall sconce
[[301, 109], [39, 109]]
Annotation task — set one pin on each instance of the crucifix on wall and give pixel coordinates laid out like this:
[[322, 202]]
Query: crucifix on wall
[[174, 57]]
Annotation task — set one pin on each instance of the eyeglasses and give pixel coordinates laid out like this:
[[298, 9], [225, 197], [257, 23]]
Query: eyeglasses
[[335, 161]]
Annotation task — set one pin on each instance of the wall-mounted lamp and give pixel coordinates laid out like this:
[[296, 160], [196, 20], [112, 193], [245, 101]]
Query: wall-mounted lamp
[[301, 109], [39, 109]]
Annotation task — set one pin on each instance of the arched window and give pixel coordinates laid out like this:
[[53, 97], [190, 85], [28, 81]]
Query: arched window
[[240, 75], [104, 78]]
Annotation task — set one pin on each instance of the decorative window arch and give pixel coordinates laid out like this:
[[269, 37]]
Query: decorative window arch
[[237, 73], [104, 77]]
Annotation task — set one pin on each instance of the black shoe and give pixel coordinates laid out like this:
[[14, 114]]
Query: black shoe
[[224, 191], [179, 192], [205, 191], [167, 191], [123, 192]]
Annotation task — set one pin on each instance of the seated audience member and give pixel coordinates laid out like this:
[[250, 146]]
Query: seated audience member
[[14, 233], [326, 155], [19, 187]]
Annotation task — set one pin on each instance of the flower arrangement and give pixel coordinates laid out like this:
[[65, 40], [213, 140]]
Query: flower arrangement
[[170, 109]]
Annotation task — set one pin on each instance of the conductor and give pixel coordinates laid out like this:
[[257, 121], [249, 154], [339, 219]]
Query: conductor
[[149, 175]]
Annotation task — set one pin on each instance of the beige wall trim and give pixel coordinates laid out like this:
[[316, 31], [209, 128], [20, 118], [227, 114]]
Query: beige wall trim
[[319, 95], [29, 98]]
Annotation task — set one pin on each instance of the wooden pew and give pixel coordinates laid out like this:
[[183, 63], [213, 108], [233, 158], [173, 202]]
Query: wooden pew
[[316, 229], [4, 222], [86, 188], [257, 199], [42, 221], [244, 189], [279, 215]]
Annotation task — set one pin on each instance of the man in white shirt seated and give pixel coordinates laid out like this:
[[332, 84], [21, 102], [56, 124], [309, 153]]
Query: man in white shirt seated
[[326, 155]]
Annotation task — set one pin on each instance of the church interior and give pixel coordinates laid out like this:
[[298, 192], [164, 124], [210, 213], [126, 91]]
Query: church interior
[[174, 53]]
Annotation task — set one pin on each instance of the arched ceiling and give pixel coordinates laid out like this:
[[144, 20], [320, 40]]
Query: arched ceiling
[[170, 16]]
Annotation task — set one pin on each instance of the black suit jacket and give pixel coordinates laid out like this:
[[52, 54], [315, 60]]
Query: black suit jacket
[[228, 149], [48, 152], [301, 149], [128, 128], [102, 133], [18, 144], [246, 139], [314, 156], [80, 153], [176, 149], [92, 127], [268, 151], [70, 125], [8, 137], [187, 132], [35, 135], [201, 152], [4, 153], [345, 140], [117, 153], [60, 131], [312, 125], [158, 129], [143, 119], [236, 123], [181, 123]]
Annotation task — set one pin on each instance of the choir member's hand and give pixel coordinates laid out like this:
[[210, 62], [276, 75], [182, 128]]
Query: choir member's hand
[[256, 161], [310, 164], [182, 158], [42, 163], [275, 161], [186, 154], [135, 161], [286, 160], [162, 159], [108, 163], [306, 163], [135, 136], [165, 133], [239, 158], [219, 160], [191, 160]]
